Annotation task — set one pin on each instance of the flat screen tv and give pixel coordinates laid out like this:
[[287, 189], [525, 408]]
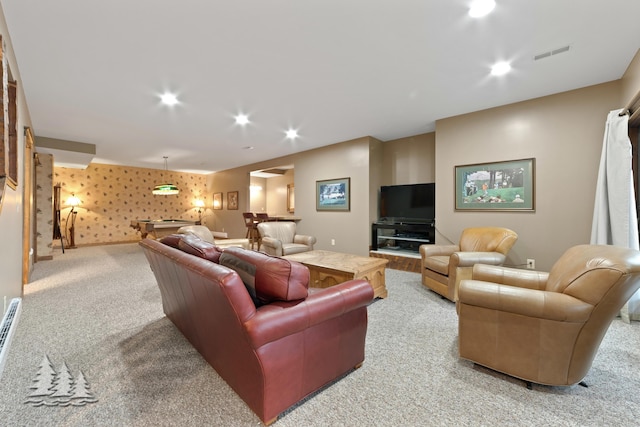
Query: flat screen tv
[[408, 203]]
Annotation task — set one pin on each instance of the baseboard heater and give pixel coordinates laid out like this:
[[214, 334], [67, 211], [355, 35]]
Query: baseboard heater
[[7, 328]]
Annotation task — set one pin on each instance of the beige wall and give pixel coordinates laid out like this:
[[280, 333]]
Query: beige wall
[[409, 160], [350, 230], [564, 134], [11, 207], [272, 197], [112, 196], [44, 206], [277, 193], [631, 80], [258, 195]]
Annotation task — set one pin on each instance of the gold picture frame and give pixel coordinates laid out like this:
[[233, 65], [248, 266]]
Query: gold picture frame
[[291, 208], [232, 200], [217, 201]]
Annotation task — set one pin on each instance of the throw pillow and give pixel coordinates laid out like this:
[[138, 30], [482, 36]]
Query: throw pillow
[[193, 245], [267, 278], [171, 240]]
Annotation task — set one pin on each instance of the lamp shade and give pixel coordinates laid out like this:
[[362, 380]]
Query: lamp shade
[[165, 190], [73, 201]]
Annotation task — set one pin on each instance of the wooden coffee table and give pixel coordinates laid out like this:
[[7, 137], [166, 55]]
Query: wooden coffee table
[[331, 268]]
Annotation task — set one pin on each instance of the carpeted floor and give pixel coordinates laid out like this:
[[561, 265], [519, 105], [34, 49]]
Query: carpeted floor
[[97, 312]]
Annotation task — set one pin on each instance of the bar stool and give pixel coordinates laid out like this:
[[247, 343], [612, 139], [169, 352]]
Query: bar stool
[[250, 221], [263, 217]]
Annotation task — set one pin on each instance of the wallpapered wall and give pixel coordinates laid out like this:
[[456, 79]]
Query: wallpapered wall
[[111, 196], [44, 206]]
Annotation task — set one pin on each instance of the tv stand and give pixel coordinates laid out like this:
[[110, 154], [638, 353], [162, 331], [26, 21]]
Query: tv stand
[[400, 241], [402, 235]]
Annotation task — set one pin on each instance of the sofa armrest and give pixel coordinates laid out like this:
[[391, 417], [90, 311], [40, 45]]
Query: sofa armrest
[[510, 276], [272, 246], [469, 259], [304, 239], [278, 320], [438, 250], [526, 302]]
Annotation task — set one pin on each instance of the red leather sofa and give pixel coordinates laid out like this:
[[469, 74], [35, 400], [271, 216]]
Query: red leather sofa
[[273, 340]]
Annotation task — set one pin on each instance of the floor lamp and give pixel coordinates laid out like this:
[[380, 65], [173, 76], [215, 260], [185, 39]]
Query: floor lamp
[[72, 201]]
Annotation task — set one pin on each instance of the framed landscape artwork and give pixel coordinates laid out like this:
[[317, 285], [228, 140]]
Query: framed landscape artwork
[[333, 195], [217, 200], [498, 186], [232, 200]]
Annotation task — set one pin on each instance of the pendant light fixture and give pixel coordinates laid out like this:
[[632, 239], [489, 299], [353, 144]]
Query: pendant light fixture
[[165, 189]]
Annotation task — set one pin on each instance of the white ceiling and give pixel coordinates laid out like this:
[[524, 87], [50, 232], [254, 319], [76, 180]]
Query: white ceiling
[[334, 70]]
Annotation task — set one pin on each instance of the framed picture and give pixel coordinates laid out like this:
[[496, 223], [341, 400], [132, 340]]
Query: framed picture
[[498, 186], [232, 200], [217, 200], [291, 206], [333, 195]]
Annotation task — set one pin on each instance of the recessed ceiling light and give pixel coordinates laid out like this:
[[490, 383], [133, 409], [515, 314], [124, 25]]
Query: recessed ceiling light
[[169, 98], [248, 147], [242, 119], [292, 134], [500, 68], [480, 8]]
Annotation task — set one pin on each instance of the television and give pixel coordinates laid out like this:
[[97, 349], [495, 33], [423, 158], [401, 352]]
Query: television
[[408, 203]]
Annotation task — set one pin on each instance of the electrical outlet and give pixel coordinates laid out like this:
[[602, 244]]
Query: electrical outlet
[[333, 242], [531, 263]]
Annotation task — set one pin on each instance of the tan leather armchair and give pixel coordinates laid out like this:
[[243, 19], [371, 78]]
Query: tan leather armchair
[[279, 238], [444, 266], [541, 327]]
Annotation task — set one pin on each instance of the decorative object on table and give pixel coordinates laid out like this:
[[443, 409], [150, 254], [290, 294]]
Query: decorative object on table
[[217, 201], [333, 195], [165, 189], [497, 186], [232, 200], [199, 203], [72, 201]]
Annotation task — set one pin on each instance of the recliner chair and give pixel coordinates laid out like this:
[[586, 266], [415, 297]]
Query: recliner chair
[[543, 327], [279, 238], [444, 266]]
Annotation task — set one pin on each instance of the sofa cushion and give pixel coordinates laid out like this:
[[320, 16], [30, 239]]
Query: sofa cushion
[[437, 263], [267, 278], [194, 245]]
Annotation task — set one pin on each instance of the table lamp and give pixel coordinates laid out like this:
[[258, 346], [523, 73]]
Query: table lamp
[[199, 204]]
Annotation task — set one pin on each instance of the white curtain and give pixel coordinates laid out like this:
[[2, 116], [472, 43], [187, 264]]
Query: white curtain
[[615, 220]]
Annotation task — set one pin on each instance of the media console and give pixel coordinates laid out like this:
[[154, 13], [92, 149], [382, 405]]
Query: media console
[[402, 236]]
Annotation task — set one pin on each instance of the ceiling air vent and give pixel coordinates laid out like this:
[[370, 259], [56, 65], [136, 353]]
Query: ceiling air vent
[[551, 53]]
